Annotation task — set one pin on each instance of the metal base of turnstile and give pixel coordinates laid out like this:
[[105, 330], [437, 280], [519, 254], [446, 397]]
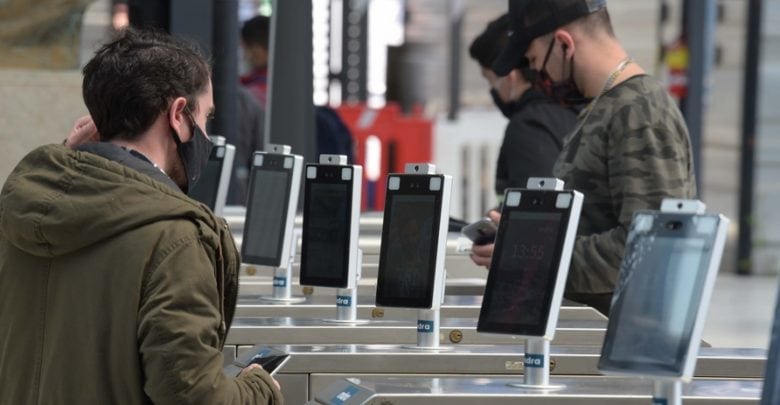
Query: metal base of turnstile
[[428, 349], [261, 284], [297, 331], [549, 387], [346, 321], [503, 359], [454, 306], [578, 391], [291, 300], [316, 367]]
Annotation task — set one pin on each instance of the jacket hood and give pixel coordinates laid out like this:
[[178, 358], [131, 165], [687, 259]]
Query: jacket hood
[[58, 201]]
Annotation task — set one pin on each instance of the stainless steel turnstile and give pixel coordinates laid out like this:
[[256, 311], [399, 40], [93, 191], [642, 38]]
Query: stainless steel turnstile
[[322, 306], [258, 285], [315, 367], [463, 276], [296, 331], [576, 391], [370, 222]]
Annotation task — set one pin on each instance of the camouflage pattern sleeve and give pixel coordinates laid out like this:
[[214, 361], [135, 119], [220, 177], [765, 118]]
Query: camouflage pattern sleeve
[[633, 152]]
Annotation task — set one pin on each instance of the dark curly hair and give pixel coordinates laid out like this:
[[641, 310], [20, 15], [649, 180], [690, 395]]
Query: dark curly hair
[[255, 31], [133, 79]]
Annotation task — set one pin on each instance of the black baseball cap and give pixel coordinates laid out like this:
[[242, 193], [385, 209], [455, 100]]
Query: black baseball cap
[[488, 45], [530, 19]]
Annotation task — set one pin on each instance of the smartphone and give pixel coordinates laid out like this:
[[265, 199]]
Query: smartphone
[[269, 358], [481, 232]]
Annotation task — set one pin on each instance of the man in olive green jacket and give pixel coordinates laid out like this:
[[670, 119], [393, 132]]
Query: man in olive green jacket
[[115, 287]]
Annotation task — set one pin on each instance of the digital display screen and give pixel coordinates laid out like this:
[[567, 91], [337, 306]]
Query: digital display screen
[[265, 218], [657, 298], [205, 190], [326, 226], [522, 277], [771, 392], [406, 266]]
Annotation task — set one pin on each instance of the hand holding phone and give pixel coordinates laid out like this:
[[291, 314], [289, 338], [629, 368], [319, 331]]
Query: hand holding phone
[[482, 232], [270, 359]]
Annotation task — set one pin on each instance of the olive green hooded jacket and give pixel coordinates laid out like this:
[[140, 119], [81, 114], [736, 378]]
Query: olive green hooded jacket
[[115, 288]]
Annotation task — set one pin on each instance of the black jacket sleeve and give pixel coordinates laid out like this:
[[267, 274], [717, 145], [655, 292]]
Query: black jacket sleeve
[[532, 142]]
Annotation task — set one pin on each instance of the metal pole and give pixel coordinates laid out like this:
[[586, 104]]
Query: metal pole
[[749, 116], [428, 328], [701, 18], [290, 109], [225, 74], [346, 304], [346, 298], [354, 72], [536, 370], [456, 34], [282, 282], [667, 392]]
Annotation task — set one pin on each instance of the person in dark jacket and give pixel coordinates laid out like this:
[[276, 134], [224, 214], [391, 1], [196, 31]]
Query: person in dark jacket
[[537, 125], [115, 286]]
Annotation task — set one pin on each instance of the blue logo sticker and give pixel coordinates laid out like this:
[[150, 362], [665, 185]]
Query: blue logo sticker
[[659, 401], [342, 397], [280, 282], [343, 300], [534, 360], [425, 326]]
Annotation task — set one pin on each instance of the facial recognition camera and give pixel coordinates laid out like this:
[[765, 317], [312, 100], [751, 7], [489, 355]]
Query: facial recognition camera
[[414, 231], [663, 291], [273, 198], [531, 259], [212, 188], [329, 254]]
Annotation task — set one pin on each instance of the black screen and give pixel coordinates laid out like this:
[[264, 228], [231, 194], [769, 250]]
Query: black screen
[[265, 218], [657, 299], [520, 284], [771, 393], [205, 190], [406, 266], [326, 226]]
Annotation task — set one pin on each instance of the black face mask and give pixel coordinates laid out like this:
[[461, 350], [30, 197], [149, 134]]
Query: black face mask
[[194, 154], [506, 108], [564, 92]]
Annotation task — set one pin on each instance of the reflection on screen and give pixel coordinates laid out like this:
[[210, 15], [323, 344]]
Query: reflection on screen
[[327, 224], [654, 328], [266, 214], [409, 241], [205, 190], [524, 273]]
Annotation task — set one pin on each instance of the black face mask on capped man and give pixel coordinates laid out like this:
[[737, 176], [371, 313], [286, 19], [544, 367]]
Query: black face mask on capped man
[[194, 154], [564, 92], [506, 108]]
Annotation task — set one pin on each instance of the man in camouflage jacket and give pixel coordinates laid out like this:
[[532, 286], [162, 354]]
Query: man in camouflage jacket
[[631, 148]]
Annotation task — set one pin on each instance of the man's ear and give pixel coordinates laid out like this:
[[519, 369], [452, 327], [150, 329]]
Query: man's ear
[[177, 117], [567, 42]]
